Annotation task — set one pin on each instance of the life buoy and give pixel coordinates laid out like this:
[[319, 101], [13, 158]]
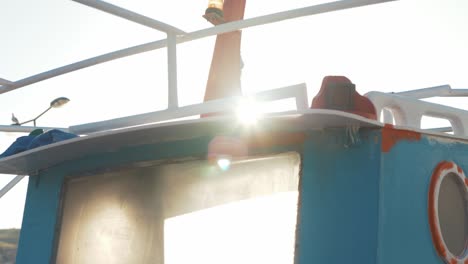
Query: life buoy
[[443, 170]]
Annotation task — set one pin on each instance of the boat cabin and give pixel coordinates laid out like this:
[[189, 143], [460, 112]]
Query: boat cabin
[[330, 182]]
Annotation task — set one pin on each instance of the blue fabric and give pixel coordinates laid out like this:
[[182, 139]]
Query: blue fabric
[[21, 144], [33, 141], [50, 137]]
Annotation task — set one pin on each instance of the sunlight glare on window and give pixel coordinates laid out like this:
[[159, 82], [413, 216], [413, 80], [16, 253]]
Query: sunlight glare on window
[[258, 230]]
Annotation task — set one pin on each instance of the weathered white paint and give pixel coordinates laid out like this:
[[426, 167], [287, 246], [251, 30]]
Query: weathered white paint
[[408, 112]]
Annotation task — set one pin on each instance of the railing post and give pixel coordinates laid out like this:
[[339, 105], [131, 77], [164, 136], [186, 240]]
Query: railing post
[[10, 185], [184, 37], [172, 70]]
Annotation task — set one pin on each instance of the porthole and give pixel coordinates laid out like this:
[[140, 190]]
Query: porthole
[[448, 212]]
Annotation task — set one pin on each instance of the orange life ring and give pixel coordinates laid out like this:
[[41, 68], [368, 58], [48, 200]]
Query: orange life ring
[[442, 170]]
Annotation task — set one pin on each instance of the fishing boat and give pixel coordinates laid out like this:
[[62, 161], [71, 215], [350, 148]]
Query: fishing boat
[[343, 178]]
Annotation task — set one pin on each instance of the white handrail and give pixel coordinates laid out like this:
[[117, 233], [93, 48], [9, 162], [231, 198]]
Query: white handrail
[[285, 15], [227, 105], [132, 16], [436, 91], [10, 185], [223, 28], [26, 129], [426, 92], [5, 82], [408, 112], [172, 101], [84, 64]]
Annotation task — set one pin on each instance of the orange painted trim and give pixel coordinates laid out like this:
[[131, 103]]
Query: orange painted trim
[[224, 79], [391, 136]]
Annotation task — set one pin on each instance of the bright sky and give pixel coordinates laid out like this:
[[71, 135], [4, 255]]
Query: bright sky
[[395, 46]]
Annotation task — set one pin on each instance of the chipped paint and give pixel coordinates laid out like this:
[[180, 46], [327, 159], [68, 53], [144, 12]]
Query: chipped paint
[[391, 136], [444, 139]]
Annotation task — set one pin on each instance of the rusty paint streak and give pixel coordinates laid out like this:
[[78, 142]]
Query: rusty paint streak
[[391, 136]]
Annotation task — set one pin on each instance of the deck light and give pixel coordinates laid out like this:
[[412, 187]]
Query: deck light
[[215, 6], [56, 103], [214, 13]]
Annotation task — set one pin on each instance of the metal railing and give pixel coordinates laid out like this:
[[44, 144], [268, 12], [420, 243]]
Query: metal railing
[[436, 91], [393, 107], [408, 112], [10, 185], [227, 106], [174, 37]]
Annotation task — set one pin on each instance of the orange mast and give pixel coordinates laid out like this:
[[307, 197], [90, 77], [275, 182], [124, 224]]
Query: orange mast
[[225, 71]]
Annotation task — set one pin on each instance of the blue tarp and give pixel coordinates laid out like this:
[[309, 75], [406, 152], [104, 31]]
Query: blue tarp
[[36, 139]]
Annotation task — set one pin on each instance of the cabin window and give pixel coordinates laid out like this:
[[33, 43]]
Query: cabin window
[[190, 212], [452, 213], [448, 204]]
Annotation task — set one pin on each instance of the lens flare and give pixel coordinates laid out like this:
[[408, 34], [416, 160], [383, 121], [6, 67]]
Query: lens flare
[[248, 112], [224, 164]]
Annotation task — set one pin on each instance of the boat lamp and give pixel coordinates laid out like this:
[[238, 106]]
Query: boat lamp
[[214, 13], [56, 103]]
